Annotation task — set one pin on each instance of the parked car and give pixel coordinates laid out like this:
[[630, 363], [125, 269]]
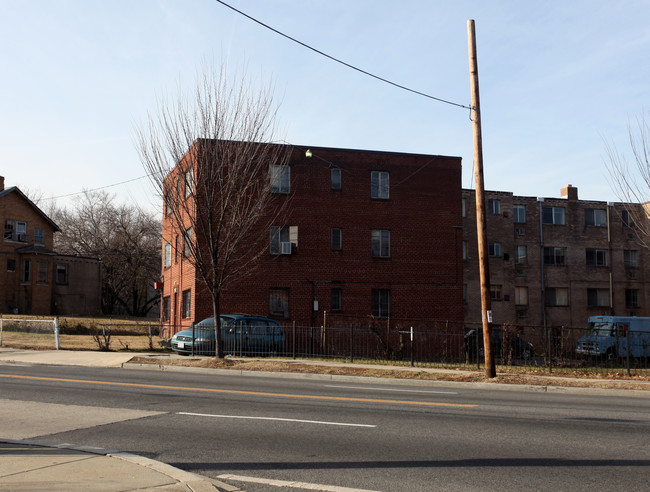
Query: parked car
[[241, 334], [516, 347]]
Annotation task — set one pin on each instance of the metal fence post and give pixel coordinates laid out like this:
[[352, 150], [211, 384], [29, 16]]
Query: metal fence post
[[628, 350], [412, 355], [351, 342], [56, 333], [193, 339], [294, 339], [0, 329]]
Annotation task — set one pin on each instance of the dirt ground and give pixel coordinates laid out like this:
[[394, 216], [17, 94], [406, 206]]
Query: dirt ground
[[521, 377]]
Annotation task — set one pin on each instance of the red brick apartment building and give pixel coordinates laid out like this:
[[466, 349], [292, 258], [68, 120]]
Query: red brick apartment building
[[555, 261], [367, 234]]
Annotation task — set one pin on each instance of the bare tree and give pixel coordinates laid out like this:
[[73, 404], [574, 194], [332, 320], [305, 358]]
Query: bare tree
[[212, 160], [631, 182], [125, 238]]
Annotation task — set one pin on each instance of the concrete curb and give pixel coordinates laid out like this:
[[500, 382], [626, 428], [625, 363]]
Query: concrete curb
[[195, 482], [414, 382]]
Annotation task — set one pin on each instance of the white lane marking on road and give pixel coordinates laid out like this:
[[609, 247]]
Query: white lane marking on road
[[273, 418], [290, 484], [392, 389]]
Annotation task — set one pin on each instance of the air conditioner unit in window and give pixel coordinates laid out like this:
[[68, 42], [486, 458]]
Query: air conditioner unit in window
[[520, 231], [285, 248], [23, 238]]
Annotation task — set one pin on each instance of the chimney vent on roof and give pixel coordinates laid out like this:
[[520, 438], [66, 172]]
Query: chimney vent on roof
[[2, 183], [569, 192]]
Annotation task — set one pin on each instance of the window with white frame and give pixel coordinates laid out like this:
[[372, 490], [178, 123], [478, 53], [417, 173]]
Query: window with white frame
[[597, 297], [554, 256], [15, 230], [380, 243], [280, 238], [519, 214], [280, 178], [556, 296], [188, 237], [464, 250], [169, 201], [39, 236], [521, 296], [494, 206], [596, 257], [494, 249], [279, 302], [379, 184], [167, 255], [553, 215], [189, 182], [521, 255], [595, 217], [381, 303], [463, 205]]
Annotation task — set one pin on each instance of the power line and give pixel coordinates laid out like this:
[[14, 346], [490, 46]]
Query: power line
[[94, 189], [342, 62]]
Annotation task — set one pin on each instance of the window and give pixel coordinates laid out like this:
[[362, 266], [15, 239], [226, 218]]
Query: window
[[167, 257], [187, 303], [336, 178], [464, 250], [15, 231], [189, 182], [521, 296], [627, 219], [519, 214], [494, 206], [379, 184], [556, 296], [632, 298], [463, 211], [39, 236], [464, 293], [166, 308], [630, 258], [336, 299], [42, 272], [11, 265], [596, 257], [176, 249], [279, 236], [187, 243], [62, 273], [27, 271], [495, 292], [169, 201], [280, 179], [380, 243], [494, 249], [598, 297], [595, 217], [521, 255], [553, 215], [381, 303], [279, 302], [555, 256], [336, 239]]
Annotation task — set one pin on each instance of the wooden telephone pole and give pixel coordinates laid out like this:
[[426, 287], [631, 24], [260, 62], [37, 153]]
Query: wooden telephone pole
[[481, 227]]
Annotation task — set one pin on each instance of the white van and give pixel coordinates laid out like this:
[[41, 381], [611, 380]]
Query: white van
[[611, 336]]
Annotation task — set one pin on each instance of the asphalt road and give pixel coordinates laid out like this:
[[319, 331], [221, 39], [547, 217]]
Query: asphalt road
[[356, 434]]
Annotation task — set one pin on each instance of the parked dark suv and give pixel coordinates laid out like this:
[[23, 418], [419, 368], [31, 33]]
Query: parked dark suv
[[515, 347]]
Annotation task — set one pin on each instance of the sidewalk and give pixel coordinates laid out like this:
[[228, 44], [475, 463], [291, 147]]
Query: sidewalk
[[35, 465]]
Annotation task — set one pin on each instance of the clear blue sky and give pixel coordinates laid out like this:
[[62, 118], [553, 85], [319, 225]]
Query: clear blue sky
[[556, 77]]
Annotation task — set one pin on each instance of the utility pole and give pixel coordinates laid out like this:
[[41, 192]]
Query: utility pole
[[481, 227]]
